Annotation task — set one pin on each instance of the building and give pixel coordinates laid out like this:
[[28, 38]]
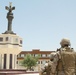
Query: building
[[11, 48], [10, 44], [44, 57]]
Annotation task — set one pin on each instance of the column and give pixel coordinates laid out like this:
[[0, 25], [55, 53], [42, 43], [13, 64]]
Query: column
[[0, 61]]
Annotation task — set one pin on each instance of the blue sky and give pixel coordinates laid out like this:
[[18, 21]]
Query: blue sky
[[41, 23]]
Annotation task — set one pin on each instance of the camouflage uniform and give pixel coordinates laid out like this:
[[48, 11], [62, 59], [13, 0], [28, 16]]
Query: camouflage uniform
[[67, 63], [46, 69], [50, 67], [62, 62]]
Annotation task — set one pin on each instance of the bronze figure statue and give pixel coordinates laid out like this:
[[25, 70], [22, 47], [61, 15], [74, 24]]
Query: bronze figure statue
[[10, 18], [10, 8]]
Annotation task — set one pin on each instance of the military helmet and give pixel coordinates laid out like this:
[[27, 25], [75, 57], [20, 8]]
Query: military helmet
[[64, 42]]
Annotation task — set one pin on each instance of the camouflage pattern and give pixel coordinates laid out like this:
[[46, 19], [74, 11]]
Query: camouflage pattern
[[66, 64], [62, 62], [64, 42], [48, 69]]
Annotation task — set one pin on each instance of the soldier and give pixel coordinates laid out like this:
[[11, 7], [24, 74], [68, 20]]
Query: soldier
[[46, 69], [50, 67], [67, 63], [63, 61]]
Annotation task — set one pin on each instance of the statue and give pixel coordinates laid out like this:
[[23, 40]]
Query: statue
[[10, 8], [10, 18], [63, 61]]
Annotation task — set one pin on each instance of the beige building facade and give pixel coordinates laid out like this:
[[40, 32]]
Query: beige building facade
[[44, 57], [10, 44], [10, 47], [11, 53]]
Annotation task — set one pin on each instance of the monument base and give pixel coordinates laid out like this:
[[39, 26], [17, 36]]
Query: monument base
[[17, 72], [12, 72]]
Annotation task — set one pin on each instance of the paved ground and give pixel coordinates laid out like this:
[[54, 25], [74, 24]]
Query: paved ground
[[30, 74], [18, 72]]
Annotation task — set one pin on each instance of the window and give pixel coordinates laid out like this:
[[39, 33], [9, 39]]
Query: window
[[38, 62], [17, 62], [43, 62], [6, 38], [1, 39], [35, 55], [5, 60], [43, 55], [22, 55], [18, 55], [16, 39], [10, 63], [20, 41]]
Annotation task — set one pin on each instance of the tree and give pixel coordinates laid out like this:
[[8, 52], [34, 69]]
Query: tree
[[30, 61]]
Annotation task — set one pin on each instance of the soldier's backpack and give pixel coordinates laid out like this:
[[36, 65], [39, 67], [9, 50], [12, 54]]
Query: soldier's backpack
[[67, 63]]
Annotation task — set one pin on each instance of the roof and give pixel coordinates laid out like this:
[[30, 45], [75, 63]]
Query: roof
[[36, 51]]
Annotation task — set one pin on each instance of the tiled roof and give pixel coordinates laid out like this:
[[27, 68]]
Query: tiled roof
[[36, 51]]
